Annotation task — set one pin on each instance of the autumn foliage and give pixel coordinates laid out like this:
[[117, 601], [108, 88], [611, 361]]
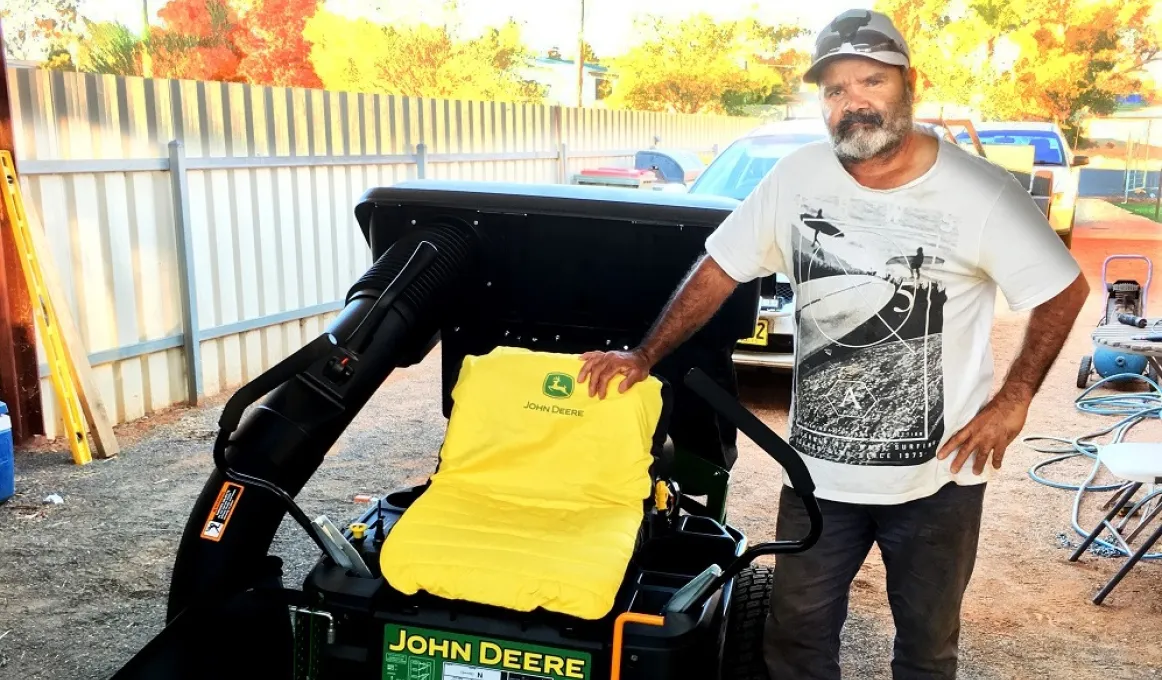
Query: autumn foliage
[[1010, 59], [1030, 59], [422, 61], [260, 42], [698, 65], [270, 39], [196, 42]]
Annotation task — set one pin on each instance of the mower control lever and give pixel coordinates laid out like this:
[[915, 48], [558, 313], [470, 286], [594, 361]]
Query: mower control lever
[[729, 408], [696, 593]]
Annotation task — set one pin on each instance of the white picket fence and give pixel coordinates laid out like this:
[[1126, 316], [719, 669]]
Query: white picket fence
[[203, 231]]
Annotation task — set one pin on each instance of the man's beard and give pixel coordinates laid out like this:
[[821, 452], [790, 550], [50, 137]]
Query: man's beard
[[880, 135]]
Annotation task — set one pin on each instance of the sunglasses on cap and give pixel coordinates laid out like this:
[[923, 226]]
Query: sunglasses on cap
[[863, 40], [859, 32]]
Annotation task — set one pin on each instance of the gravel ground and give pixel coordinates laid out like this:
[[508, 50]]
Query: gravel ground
[[83, 583]]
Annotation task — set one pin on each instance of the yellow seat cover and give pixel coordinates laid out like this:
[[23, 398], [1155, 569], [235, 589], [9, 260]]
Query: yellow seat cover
[[539, 493]]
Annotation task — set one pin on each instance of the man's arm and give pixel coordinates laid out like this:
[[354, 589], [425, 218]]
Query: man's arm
[[742, 248], [1045, 335], [694, 302], [999, 422]]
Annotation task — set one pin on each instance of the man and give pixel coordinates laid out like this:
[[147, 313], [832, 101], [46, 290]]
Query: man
[[891, 405]]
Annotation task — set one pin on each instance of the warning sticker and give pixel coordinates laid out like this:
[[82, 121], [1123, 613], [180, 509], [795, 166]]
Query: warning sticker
[[422, 654], [220, 514]]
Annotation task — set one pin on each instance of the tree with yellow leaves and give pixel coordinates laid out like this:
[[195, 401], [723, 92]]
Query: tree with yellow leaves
[[1030, 59], [420, 60], [698, 65]]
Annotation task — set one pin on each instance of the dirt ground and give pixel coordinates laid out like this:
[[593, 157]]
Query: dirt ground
[[83, 583]]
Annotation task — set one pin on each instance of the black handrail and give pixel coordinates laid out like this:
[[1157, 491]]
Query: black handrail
[[729, 407]]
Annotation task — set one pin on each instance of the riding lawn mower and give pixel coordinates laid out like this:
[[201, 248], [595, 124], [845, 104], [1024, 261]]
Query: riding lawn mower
[[560, 536]]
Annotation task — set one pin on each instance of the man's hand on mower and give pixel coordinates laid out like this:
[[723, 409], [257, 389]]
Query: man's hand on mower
[[991, 431], [600, 367]]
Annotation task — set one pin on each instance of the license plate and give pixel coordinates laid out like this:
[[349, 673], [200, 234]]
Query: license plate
[[760, 334]]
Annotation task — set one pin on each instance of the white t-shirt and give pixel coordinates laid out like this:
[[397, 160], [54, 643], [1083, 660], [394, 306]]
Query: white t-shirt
[[894, 299]]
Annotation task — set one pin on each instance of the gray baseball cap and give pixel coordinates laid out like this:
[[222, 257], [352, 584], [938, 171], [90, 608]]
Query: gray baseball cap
[[858, 33]]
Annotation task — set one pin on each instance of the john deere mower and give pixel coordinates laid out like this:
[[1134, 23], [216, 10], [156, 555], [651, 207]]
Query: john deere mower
[[560, 536]]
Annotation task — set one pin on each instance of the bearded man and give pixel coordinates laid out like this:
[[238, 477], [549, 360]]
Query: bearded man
[[896, 242]]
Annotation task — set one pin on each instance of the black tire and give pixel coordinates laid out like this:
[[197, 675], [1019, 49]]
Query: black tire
[[742, 656], [1067, 237], [1083, 370]]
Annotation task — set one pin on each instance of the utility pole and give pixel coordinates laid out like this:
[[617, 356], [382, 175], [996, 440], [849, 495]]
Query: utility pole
[[19, 374], [581, 59], [146, 60], [1158, 196]]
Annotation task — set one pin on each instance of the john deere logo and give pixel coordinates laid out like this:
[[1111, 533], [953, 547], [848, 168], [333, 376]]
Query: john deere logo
[[558, 385]]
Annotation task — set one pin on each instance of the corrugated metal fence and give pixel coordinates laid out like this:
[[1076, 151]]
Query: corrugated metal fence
[[228, 208]]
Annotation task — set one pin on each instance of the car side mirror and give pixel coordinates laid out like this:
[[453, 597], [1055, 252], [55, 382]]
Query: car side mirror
[[1080, 160]]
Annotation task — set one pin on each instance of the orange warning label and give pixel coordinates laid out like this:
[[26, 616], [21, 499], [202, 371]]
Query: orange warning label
[[220, 514]]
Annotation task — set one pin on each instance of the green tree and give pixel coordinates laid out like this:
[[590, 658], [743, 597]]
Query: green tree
[[420, 60], [109, 47], [697, 65]]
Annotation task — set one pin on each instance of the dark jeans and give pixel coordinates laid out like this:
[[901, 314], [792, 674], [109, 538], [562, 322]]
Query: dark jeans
[[928, 546]]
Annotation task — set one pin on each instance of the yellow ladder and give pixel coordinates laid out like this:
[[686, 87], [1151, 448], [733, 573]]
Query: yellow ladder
[[64, 382]]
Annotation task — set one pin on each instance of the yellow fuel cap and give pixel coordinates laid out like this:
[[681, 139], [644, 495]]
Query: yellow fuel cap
[[357, 530]]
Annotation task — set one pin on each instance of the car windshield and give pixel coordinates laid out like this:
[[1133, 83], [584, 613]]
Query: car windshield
[[1046, 145], [743, 165]]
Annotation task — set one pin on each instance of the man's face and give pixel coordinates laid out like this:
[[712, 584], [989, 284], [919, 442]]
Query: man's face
[[867, 106]]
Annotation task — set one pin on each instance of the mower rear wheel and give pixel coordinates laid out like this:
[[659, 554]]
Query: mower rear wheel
[[1083, 370], [742, 657]]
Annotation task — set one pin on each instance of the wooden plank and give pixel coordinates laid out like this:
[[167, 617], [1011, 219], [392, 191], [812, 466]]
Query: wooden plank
[[91, 402]]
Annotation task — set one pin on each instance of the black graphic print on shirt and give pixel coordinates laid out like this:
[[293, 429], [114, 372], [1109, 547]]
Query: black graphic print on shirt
[[869, 386]]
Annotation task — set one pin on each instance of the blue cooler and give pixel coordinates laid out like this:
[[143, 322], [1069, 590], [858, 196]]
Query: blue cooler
[[7, 468]]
